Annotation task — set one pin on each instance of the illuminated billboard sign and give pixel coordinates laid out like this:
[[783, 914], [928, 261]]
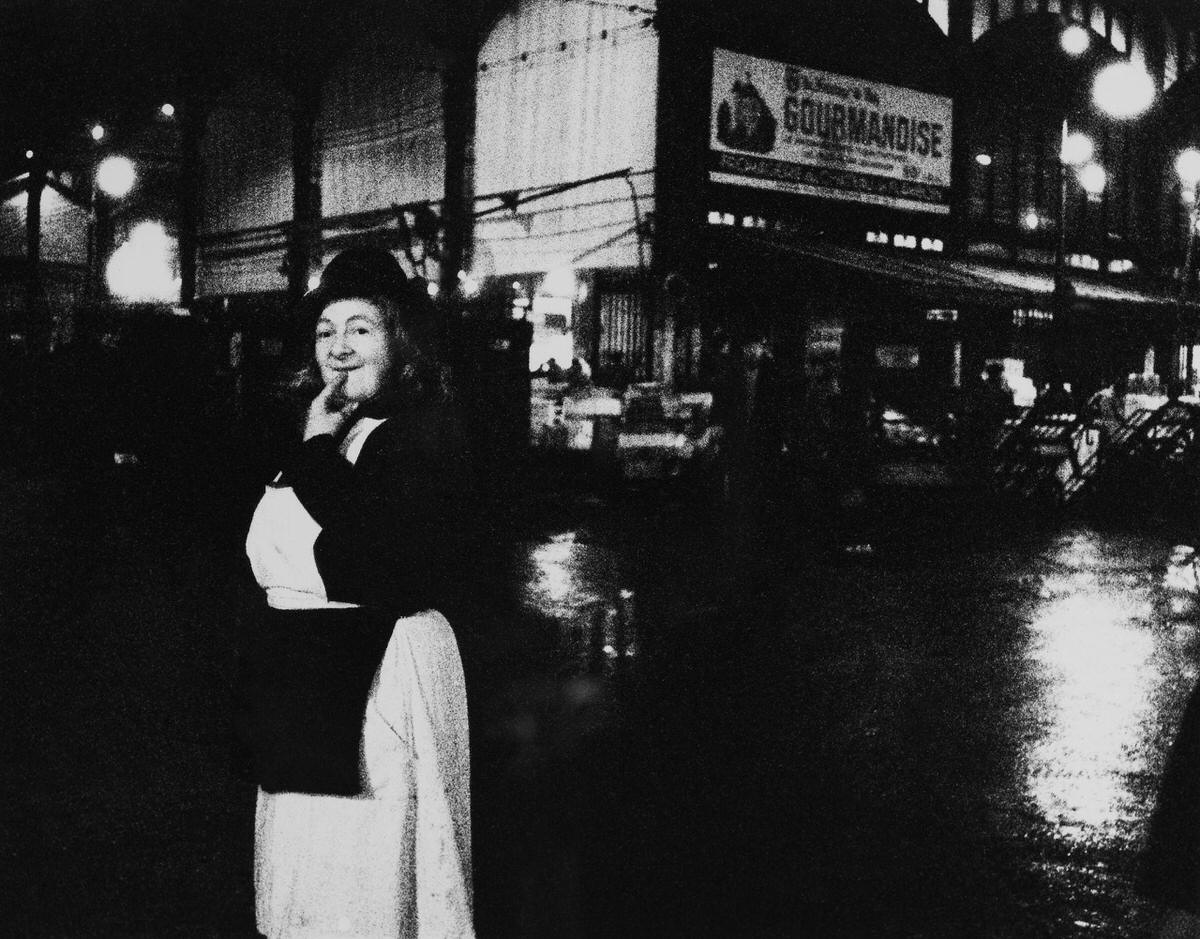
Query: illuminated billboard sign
[[776, 125]]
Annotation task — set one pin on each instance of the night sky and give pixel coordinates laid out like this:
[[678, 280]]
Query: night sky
[[67, 63]]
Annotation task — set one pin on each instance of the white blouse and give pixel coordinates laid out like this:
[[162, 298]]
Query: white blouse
[[282, 534]]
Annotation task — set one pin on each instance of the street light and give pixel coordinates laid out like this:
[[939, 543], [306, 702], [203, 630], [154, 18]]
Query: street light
[[1187, 167], [1075, 151], [1122, 90], [1075, 39], [116, 175], [1092, 177], [112, 177]]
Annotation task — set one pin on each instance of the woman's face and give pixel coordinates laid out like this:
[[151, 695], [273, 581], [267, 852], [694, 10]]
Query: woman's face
[[353, 346]]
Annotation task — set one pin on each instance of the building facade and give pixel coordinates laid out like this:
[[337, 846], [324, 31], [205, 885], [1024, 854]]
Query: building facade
[[874, 182]]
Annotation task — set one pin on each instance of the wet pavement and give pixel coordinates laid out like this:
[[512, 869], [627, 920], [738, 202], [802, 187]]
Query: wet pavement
[[948, 736]]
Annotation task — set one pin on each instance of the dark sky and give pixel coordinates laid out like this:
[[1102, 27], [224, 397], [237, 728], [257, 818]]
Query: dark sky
[[65, 63]]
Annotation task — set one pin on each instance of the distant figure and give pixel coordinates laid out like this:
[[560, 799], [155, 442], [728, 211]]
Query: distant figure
[[578, 373], [988, 407], [551, 370], [1107, 409], [722, 374]]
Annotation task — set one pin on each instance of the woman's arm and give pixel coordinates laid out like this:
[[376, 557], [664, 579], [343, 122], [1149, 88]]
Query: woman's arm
[[394, 525]]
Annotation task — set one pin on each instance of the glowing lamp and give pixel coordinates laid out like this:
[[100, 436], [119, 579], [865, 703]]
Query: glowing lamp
[[1122, 90], [1075, 40], [1092, 178], [1076, 149], [1187, 165], [116, 175], [143, 267], [559, 282]]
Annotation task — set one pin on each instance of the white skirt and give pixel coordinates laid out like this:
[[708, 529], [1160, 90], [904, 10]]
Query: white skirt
[[396, 861]]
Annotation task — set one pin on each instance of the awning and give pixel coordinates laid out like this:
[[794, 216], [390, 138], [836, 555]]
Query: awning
[[942, 279]]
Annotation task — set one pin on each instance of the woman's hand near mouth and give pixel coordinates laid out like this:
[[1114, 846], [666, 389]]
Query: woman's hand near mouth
[[331, 411]]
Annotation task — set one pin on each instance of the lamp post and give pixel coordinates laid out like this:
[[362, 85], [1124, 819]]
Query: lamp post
[[113, 178], [1187, 167], [1075, 151], [1120, 90]]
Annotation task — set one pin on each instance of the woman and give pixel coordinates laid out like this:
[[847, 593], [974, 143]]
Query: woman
[[353, 700]]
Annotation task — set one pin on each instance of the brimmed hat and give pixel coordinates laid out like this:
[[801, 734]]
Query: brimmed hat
[[363, 273]]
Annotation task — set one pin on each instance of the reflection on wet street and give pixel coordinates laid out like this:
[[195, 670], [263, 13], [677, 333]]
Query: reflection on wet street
[[578, 585], [945, 741], [1092, 650], [946, 737]]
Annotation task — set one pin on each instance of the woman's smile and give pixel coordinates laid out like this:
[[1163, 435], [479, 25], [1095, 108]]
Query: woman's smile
[[353, 348]]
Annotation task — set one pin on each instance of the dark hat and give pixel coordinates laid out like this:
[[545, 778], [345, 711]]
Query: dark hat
[[362, 273]]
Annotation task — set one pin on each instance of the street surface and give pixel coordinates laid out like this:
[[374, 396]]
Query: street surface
[[953, 735]]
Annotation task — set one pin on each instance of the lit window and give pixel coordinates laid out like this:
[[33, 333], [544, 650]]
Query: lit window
[[714, 218]]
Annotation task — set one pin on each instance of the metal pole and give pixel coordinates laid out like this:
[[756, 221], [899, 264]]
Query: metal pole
[[1059, 299], [1060, 246], [1189, 264]]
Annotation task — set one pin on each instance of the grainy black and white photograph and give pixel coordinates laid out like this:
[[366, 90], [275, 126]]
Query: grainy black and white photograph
[[586, 469]]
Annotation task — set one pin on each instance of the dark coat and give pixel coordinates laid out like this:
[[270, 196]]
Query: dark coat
[[397, 530], [397, 525]]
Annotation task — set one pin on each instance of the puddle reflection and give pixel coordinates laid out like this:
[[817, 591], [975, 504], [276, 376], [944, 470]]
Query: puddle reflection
[[577, 585], [1096, 659]]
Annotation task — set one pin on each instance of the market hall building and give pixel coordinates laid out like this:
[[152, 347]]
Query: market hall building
[[870, 184], [641, 177]]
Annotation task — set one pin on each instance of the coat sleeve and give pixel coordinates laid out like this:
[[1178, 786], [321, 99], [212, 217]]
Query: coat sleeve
[[394, 526]]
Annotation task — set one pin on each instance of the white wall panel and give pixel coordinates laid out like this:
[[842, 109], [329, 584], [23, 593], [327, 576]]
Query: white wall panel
[[569, 91], [381, 127], [64, 229], [12, 227], [228, 273], [247, 185]]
